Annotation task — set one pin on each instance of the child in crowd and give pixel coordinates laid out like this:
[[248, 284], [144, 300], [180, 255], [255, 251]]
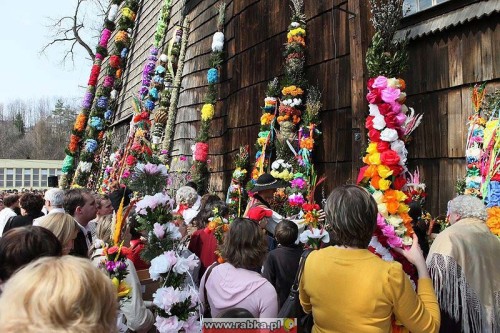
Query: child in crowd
[[282, 263]]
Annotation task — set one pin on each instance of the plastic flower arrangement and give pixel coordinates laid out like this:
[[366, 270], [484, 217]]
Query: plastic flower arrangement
[[176, 302], [217, 225], [148, 178], [386, 156], [115, 264], [281, 170]]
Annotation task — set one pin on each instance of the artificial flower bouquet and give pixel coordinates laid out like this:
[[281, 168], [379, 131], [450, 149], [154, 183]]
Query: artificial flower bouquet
[[115, 264], [217, 225]]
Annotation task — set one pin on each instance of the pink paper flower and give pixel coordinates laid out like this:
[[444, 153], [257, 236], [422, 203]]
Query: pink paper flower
[[126, 174], [296, 200], [298, 183], [380, 82], [158, 230], [168, 325], [390, 95]]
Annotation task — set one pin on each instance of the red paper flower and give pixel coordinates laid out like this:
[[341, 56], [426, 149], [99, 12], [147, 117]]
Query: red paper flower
[[131, 160], [383, 146], [374, 96], [396, 169], [201, 152], [391, 120], [114, 61], [94, 75], [399, 182], [384, 108], [370, 83], [374, 135], [369, 122], [389, 157]]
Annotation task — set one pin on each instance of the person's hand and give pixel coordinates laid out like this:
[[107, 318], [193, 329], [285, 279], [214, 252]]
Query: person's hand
[[416, 257], [322, 216]]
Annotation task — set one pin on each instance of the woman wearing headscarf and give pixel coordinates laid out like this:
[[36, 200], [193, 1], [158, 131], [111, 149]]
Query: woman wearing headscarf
[[464, 263]]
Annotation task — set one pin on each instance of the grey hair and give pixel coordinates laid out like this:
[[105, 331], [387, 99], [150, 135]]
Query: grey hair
[[468, 206], [186, 195], [55, 196]]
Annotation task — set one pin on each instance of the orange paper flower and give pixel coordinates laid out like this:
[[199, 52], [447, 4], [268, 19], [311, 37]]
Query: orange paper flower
[[307, 143], [80, 123]]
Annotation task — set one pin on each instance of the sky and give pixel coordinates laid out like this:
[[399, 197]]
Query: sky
[[24, 73]]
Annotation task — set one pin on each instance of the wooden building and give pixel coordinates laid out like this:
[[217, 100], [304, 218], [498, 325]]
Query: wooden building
[[454, 44]]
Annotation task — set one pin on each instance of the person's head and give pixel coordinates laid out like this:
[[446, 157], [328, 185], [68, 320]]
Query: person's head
[[351, 214], [466, 206], [20, 246], [207, 212], [11, 201], [80, 204], [186, 195], [104, 228], [62, 294], [54, 198], [117, 195], [415, 210], [245, 246], [63, 226], [286, 233], [201, 219], [266, 185], [30, 204], [1, 204], [104, 206]]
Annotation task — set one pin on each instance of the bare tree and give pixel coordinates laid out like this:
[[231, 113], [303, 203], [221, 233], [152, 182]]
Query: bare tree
[[77, 29]]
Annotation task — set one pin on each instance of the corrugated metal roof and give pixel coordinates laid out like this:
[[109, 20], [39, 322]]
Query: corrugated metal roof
[[451, 19]]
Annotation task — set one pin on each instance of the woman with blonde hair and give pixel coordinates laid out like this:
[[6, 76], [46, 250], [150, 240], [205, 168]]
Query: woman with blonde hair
[[137, 317], [63, 226], [58, 294]]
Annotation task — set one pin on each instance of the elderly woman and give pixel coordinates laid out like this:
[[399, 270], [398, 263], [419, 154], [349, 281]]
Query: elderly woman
[[237, 283], [465, 267], [186, 199], [58, 294], [350, 289]]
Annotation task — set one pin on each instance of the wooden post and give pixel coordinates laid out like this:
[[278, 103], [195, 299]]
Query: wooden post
[[360, 34]]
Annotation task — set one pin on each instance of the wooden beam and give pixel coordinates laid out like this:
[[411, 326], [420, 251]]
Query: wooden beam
[[360, 33]]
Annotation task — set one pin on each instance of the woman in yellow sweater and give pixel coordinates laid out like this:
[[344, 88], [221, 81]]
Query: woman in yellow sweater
[[349, 289]]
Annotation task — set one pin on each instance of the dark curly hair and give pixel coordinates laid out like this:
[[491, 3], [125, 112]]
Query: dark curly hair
[[31, 203], [245, 246], [20, 246]]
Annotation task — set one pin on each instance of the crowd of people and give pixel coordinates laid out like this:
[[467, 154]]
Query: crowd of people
[[52, 243]]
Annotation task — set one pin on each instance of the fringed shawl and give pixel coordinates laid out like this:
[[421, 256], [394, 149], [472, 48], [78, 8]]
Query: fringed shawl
[[464, 263]]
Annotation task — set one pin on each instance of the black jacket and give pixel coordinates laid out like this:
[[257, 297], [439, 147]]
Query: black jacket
[[280, 268], [20, 221], [80, 248]]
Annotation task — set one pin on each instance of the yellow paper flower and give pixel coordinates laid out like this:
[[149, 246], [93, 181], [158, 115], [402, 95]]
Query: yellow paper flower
[[128, 13], [382, 209], [403, 208], [384, 184], [292, 90], [123, 289], [207, 112], [384, 171], [261, 141], [122, 36], [400, 196], [374, 158], [266, 119], [296, 32], [372, 148]]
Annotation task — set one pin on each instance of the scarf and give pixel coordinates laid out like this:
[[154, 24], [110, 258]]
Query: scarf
[[464, 264]]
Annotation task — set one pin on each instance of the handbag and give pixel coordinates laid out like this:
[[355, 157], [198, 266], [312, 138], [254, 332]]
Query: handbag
[[207, 312], [292, 308]]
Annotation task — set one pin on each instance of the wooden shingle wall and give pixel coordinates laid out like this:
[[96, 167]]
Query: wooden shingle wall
[[442, 69]]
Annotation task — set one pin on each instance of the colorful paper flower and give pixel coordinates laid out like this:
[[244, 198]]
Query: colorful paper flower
[[212, 76], [207, 112]]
